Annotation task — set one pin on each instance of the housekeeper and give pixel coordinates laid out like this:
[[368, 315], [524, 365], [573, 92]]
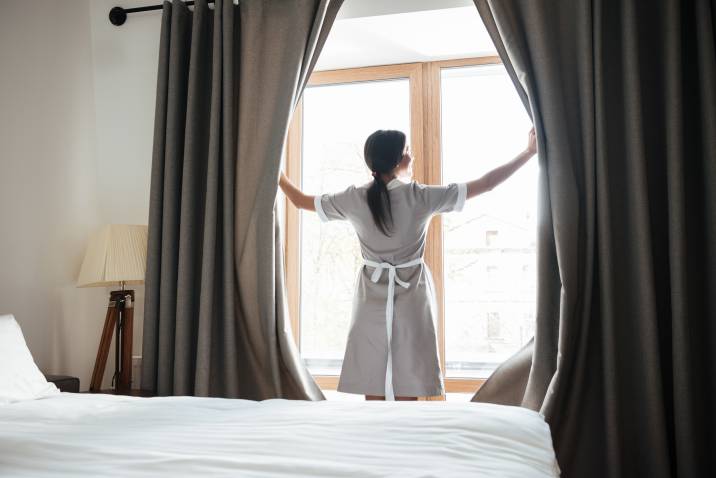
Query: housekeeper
[[392, 350]]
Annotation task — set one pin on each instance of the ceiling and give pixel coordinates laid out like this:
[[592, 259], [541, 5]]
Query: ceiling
[[371, 8], [412, 36]]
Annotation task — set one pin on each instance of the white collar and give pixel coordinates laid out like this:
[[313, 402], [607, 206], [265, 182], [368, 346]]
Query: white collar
[[394, 183]]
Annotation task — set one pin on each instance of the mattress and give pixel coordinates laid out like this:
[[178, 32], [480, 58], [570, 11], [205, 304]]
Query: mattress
[[82, 435]]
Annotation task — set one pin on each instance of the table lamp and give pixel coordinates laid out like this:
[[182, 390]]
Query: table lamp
[[116, 255]]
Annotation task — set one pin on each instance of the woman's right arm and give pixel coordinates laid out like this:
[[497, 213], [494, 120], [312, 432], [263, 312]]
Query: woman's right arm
[[295, 195]]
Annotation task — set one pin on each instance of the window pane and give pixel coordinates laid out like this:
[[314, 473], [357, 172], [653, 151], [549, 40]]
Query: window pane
[[336, 121], [489, 248]]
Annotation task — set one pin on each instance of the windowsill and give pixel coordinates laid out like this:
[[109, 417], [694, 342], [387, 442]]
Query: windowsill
[[469, 374], [457, 386], [351, 397]]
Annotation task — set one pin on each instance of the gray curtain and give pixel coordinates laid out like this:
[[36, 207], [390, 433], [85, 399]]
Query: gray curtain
[[215, 318], [623, 363]]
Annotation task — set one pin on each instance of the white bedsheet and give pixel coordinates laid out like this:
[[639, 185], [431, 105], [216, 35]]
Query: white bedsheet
[[81, 435]]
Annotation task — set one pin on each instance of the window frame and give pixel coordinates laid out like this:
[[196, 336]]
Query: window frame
[[425, 143]]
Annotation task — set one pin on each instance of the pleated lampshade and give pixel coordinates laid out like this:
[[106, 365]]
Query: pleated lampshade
[[116, 253]]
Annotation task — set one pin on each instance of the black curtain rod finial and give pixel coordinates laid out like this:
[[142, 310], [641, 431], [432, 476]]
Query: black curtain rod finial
[[117, 16]]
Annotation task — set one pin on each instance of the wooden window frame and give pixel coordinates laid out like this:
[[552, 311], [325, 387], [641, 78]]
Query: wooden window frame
[[425, 143]]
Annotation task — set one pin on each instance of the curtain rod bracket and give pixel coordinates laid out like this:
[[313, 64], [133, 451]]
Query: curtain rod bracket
[[117, 16]]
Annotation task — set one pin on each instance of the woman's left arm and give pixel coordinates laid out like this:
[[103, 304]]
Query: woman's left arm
[[501, 173], [295, 195]]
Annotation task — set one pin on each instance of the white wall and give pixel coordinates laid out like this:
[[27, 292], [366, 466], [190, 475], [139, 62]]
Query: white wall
[[48, 180], [125, 78]]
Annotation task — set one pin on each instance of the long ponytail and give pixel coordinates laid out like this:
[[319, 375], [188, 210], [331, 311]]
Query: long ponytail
[[379, 204], [383, 151]]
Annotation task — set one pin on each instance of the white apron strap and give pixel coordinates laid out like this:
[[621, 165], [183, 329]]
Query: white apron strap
[[392, 280]]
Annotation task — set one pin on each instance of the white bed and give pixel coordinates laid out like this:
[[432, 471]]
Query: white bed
[[104, 435], [47, 433]]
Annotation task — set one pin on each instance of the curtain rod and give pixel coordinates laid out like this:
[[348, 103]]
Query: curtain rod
[[118, 15]]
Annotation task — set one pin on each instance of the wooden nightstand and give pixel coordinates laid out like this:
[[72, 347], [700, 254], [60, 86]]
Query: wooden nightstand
[[65, 383]]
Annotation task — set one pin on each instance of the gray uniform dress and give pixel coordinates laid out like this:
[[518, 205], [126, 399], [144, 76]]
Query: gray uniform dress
[[394, 301]]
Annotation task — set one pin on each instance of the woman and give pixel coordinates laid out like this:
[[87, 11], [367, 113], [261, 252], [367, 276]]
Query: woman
[[392, 348]]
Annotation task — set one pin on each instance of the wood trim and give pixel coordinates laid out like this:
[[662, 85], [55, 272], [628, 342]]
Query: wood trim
[[387, 72], [292, 239], [327, 382], [419, 141], [433, 169], [464, 385], [474, 61], [452, 385], [368, 73], [417, 135]]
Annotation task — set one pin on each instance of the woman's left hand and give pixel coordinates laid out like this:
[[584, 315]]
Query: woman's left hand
[[532, 142]]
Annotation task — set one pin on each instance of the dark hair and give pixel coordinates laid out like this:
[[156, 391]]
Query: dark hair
[[383, 151]]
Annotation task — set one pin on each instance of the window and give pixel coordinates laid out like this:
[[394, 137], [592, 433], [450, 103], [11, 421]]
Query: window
[[483, 125], [463, 118], [336, 121]]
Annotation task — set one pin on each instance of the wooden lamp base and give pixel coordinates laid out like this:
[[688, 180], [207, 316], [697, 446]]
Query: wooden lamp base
[[120, 316]]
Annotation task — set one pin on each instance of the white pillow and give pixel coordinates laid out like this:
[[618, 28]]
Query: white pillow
[[20, 379]]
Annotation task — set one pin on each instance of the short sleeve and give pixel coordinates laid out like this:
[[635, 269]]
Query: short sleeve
[[440, 199], [334, 206]]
